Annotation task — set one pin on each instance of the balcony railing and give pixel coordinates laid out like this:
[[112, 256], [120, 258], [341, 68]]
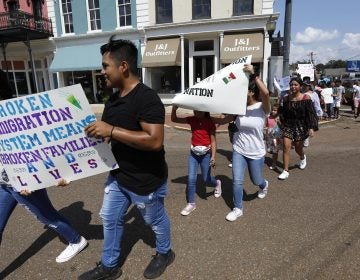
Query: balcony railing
[[19, 19]]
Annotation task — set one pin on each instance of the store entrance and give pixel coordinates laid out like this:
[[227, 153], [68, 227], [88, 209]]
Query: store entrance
[[203, 67]]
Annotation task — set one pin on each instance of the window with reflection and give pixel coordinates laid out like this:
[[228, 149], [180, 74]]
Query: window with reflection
[[124, 8], [67, 16], [243, 7], [94, 14], [201, 9], [163, 11]]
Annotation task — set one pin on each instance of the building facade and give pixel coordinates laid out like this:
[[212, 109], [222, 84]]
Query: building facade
[[26, 50], [180, 41], [188, 40]]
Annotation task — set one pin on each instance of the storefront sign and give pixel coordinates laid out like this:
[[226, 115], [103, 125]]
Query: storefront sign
[[223, 92], [42, 139], [164, 52], [240, 45]]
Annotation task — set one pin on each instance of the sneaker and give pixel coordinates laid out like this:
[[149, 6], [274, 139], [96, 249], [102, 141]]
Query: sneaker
[[217, 192], [263, 192], [100, 272], [306, 142], [188, 209], [230, 165], [284, 175], [302, 163], [72, 250], [234, 214], [158, 264]]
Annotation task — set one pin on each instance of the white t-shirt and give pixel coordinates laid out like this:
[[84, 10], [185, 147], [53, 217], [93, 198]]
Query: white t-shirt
[[357, 91], [249, 140], [326, 93]]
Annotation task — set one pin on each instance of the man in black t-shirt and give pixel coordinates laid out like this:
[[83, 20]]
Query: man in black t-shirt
[[133, 121]]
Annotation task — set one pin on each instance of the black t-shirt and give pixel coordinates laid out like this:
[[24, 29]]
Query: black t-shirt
[[141, 172]]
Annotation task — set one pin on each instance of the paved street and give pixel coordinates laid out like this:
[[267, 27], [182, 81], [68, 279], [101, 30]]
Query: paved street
[[308, 227]]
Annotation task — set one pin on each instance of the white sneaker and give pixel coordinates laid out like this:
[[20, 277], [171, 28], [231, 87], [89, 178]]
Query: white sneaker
[[284, 175], [263, 192], [217, 192], [72, 250], [188, 209], [230, 165], [306, 142], [302, 163], [234, 214]]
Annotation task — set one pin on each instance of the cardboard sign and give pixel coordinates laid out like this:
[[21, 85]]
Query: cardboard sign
[[282, 84], [223, 92], [42, 139], [306, 70]]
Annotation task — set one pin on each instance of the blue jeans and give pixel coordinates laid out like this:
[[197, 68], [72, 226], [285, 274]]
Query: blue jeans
[[117, 200], [40, 206], [193, 164], [239, 164]]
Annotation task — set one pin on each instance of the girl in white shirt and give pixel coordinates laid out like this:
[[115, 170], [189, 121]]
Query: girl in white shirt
[[248, 144]]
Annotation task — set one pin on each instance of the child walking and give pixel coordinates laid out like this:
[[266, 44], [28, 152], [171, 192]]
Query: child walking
[[202, 152], [273, 135]]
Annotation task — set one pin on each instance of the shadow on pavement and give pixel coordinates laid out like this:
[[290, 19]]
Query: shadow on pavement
[[77, 216]]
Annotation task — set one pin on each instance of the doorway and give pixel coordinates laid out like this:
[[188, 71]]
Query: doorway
[[203, 67]]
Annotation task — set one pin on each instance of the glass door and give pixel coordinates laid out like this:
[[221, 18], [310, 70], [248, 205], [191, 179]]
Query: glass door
[[203, 67]]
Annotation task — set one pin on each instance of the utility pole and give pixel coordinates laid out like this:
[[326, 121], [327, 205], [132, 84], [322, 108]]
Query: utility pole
[[287, 34]]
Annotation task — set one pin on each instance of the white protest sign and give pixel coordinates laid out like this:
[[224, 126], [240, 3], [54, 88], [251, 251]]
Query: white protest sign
[[42, 139], [306, 70], [223, 92], [282, 84]]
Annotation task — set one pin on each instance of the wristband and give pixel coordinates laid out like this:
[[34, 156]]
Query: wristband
[[111, 132]]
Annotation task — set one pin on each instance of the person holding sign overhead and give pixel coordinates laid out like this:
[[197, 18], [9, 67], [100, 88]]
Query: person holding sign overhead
[[202, 152], [248, 144], [133, 120]]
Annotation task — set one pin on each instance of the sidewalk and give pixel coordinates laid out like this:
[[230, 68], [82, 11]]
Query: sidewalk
[[98, 108]]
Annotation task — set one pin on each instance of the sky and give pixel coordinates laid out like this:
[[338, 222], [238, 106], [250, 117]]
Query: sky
[[328, 29]]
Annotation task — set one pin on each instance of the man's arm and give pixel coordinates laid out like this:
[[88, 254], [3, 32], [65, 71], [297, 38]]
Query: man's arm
[[151, 138]]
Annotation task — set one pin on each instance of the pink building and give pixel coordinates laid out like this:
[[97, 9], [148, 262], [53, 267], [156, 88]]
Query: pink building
[[24, 25]]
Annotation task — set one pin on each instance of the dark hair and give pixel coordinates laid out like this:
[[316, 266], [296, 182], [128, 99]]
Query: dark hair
[[296, 79], [253, 88], [122, 50]]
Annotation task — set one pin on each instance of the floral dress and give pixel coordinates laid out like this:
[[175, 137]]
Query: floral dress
[[297, 118]]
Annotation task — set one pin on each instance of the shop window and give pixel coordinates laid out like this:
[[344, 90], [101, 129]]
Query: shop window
[[205, 45], [21, 83], [94, 14], [67, 16], [85, 79], [243, 7], [102, 91], [166, 79], [201, 9], [124, 8], [163, 11]]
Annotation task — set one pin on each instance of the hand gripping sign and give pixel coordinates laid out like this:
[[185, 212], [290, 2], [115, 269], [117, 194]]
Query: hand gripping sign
[[42, 139], [223, 92]]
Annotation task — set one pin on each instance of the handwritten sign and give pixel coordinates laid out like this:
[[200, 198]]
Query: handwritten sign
[[223, 92], [42, 139], [306, 70]]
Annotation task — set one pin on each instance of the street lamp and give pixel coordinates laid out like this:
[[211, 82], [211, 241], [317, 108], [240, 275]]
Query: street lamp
[[270, 27]]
